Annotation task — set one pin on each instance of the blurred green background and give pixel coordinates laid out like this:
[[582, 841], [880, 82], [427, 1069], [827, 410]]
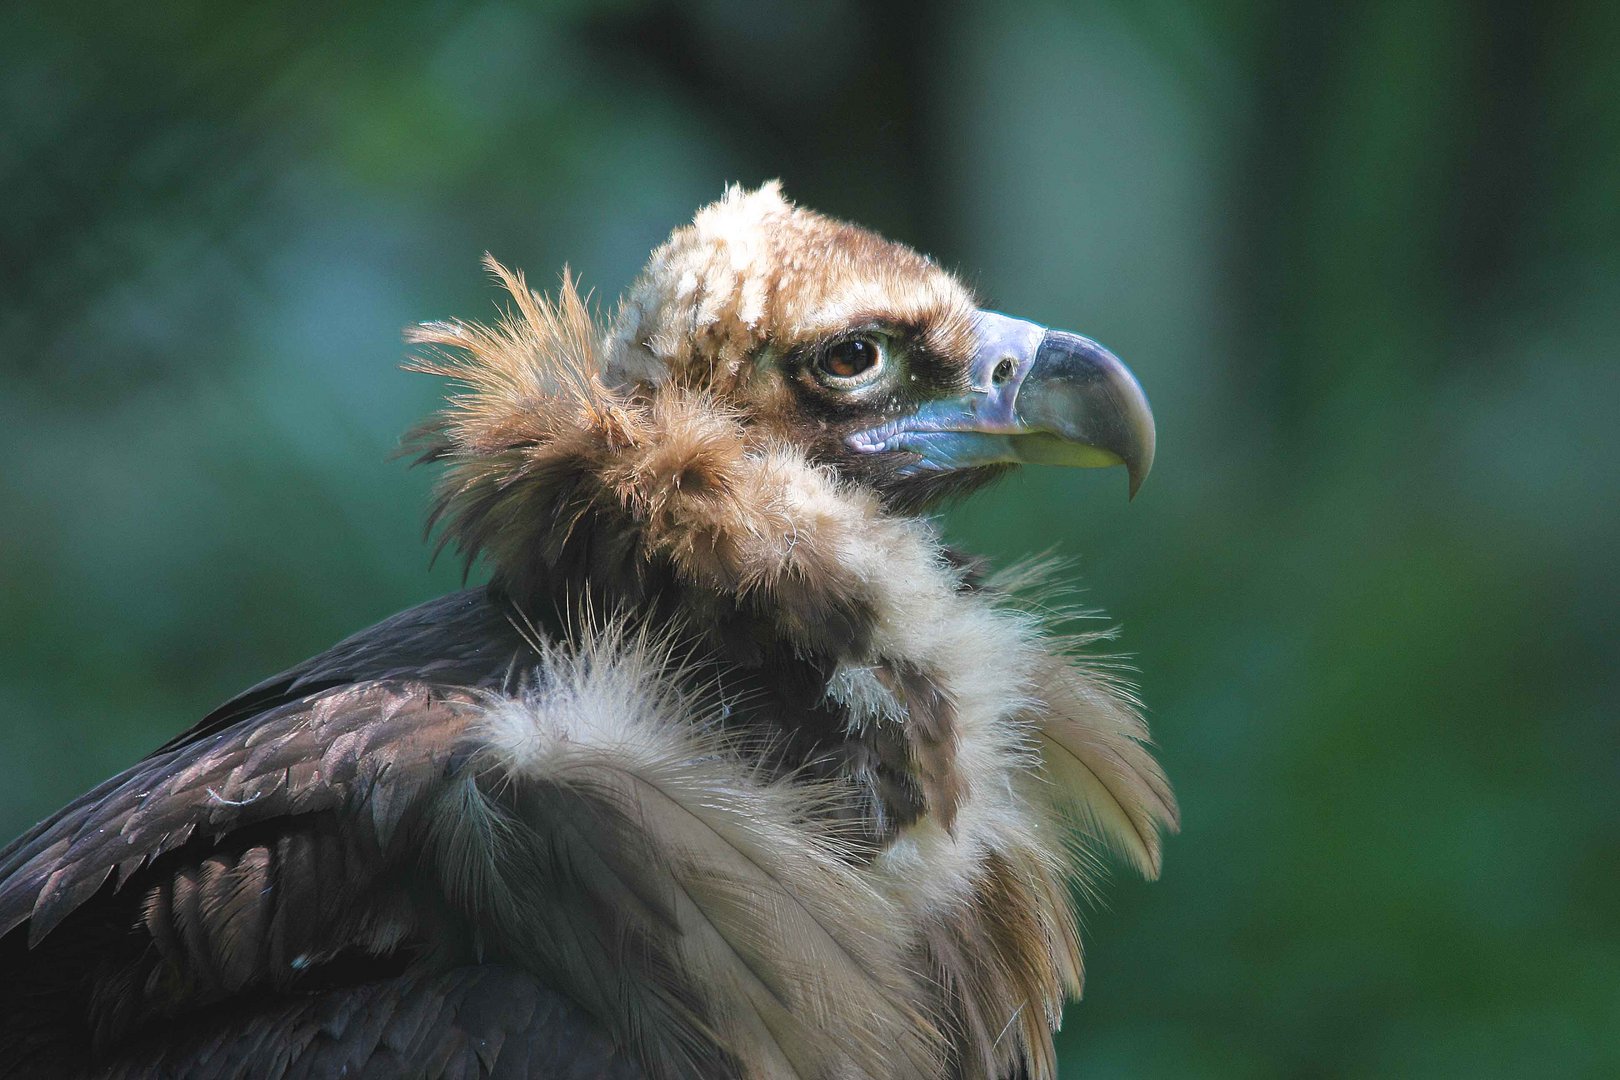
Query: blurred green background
[[1366, 260]]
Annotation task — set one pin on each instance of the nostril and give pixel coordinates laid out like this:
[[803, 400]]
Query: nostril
[[1004, 371]]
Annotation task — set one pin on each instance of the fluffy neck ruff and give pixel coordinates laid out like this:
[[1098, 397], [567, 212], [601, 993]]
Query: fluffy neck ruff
[[970, 741]]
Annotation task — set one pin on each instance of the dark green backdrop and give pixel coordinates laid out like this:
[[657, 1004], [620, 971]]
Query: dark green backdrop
[[1364, 259]]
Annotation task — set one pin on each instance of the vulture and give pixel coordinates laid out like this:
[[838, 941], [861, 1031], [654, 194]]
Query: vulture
[[734, 768]]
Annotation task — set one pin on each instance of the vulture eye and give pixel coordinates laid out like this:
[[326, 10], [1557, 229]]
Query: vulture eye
[[850, 362]]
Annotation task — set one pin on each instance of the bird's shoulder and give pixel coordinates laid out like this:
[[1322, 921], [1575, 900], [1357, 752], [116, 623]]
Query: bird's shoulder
[[263, 850], [285, 745]]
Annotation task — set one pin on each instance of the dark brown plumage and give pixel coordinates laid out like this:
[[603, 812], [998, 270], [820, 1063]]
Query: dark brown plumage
[[732, 770]]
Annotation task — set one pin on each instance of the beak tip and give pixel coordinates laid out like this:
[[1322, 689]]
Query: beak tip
[[1082, 393], [1140, 466], [1137, 474]]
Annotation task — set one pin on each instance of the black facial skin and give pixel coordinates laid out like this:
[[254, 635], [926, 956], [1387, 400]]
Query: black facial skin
[[835, 408]]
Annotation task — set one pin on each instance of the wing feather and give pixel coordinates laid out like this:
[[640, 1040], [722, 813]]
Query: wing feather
[[321, 754], [478, 1021]]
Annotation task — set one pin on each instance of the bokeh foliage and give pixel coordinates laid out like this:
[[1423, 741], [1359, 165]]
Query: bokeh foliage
[[1366, 259]]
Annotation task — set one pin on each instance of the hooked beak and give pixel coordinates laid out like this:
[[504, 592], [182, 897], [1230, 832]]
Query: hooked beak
[[1036, 396]]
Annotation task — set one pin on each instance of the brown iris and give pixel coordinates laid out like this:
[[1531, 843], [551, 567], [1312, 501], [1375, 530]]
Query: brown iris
[[851, 358]]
